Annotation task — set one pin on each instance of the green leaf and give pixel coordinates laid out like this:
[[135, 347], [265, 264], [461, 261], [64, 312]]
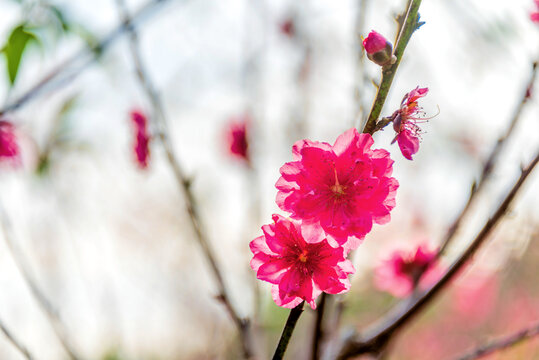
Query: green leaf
[[14, 50]]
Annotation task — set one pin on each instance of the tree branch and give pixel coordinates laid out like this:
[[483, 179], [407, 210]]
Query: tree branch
[[184, 183], [411, 23], [318, 334], [491, 161], [379, 335], [22, 349], [67, 70], [503, 343], [46, 306]]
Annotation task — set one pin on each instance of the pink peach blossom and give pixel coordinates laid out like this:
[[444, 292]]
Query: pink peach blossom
[[399, 272], [236, 134], [341, 189], [299, 263], [141, 146], [9, 149], [405, 122]]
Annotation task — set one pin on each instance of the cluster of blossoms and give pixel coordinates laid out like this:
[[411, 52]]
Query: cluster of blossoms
[[334, 194], [142, 138], [403, 271], [9, 149]]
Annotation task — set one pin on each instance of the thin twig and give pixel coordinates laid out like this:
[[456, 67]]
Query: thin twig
[[490, 163], [503, 343], [295, 313], [44, 303], [411, 23], [184, 183], [22, 349], [379, 335], [66, 71], [318, 334]]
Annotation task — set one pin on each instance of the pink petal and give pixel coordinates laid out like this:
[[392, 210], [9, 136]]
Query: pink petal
[[408, 143]]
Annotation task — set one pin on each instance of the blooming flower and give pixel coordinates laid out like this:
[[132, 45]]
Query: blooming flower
[[341, 189], [535, 14], [405, 122], [299, 263], [9, 149], [142, 138], [237, 137], [398, 274], [378, 49]]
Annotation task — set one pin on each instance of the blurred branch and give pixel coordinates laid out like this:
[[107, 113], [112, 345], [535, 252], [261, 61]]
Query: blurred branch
[[318, 334], [183, 181], [22, 349], [377, 339], [361, 76], [491, 161], [68, 70], [503, 343], [411, 23], [46, 306], [295, 313]]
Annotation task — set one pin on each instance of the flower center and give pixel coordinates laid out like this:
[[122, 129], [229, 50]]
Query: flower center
[[337, 189], [413, 269], [303, 257]]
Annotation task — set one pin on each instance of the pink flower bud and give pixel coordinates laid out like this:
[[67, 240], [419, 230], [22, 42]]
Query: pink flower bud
[[374, 43], [379, 50]]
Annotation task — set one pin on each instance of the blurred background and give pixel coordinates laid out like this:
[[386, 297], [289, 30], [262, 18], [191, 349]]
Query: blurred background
[[111, 245]]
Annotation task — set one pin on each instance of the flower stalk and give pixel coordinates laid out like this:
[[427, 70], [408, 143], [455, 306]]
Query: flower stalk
[[291, 322]]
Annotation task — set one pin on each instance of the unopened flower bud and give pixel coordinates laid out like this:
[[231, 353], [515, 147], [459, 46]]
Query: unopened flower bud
[[379, 50]]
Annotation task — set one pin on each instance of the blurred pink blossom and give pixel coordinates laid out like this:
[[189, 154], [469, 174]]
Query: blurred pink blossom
[[141, 145], [475, 296], [398, 274], [299, 263], [9, 149], [342, 189], [534, 15], [288, 28], [237, 137]]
